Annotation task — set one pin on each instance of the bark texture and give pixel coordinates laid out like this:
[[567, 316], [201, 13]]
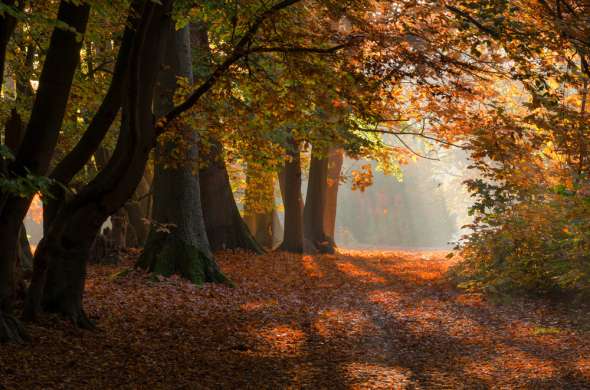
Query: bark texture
[[24, 255], [177, 242], [39, 141], [315, 205], [225, 227], [293, 202], [60, 261], [7, 25]]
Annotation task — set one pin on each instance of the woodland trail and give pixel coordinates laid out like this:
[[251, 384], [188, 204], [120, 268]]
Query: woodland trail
[[366, 320]]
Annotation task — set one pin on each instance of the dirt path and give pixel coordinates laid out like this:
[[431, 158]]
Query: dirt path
[[374, 320]]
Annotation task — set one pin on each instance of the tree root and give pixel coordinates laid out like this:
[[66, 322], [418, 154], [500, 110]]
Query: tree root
[[12, 330], [80, 320]]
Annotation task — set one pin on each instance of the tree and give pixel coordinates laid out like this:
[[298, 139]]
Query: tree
[[531, 152], [38, 145], [315, 203], [60, 261], [293, 234], [335, 161], [361, 63], [177, 243], [225, 227]]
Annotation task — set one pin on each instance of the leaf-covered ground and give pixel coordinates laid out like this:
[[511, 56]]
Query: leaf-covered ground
[[373, 320]]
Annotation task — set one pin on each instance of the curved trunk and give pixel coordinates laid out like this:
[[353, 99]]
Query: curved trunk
[[40, 138], [177, 242], [60, 261], [293, 202], [225, 227], [97, 129]]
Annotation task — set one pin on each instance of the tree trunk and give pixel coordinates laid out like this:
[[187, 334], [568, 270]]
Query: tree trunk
[[36, 150], [136, 219], [60, 261], [117, 237], [98, 127], [315, 204], [225, 227], [13, 138], [7, 25], [24, 256], [292, 200], [139, 210], [277, 230], [336, 159], [177, 242]]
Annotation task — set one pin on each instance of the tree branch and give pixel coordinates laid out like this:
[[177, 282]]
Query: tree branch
[[474, 21], [297, 49], [238, 53], [421, 135]]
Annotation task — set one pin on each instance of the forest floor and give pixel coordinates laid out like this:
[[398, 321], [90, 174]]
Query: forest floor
[[372, 320]]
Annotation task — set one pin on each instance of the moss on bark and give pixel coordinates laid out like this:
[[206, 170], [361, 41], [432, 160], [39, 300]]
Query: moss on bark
[[11, 330], [167, 255]]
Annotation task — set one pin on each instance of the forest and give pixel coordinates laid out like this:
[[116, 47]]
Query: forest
[[286, 194]]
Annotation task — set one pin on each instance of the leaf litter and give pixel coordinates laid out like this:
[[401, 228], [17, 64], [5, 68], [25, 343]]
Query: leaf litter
[[357, 320]]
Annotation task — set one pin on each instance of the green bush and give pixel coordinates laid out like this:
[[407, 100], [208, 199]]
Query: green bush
[[538, 245]]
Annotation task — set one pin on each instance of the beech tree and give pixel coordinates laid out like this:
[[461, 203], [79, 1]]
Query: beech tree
[[353, 45], [225, 227], [38, 144], [335, 161], [178, 242], [60, 261]]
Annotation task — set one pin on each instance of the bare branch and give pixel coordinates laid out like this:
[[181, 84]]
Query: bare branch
[[421, 135], [297, 49]]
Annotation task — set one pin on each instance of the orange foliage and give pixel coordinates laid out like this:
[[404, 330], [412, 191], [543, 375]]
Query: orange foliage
[[36, 210]]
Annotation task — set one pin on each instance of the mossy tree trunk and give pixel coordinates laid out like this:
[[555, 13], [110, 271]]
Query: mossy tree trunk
[[177, 242]]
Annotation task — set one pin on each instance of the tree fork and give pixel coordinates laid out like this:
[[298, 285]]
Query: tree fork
[[64, 250], [38, 144]]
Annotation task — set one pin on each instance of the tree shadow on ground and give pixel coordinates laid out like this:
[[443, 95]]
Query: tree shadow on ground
[[351, 320]]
